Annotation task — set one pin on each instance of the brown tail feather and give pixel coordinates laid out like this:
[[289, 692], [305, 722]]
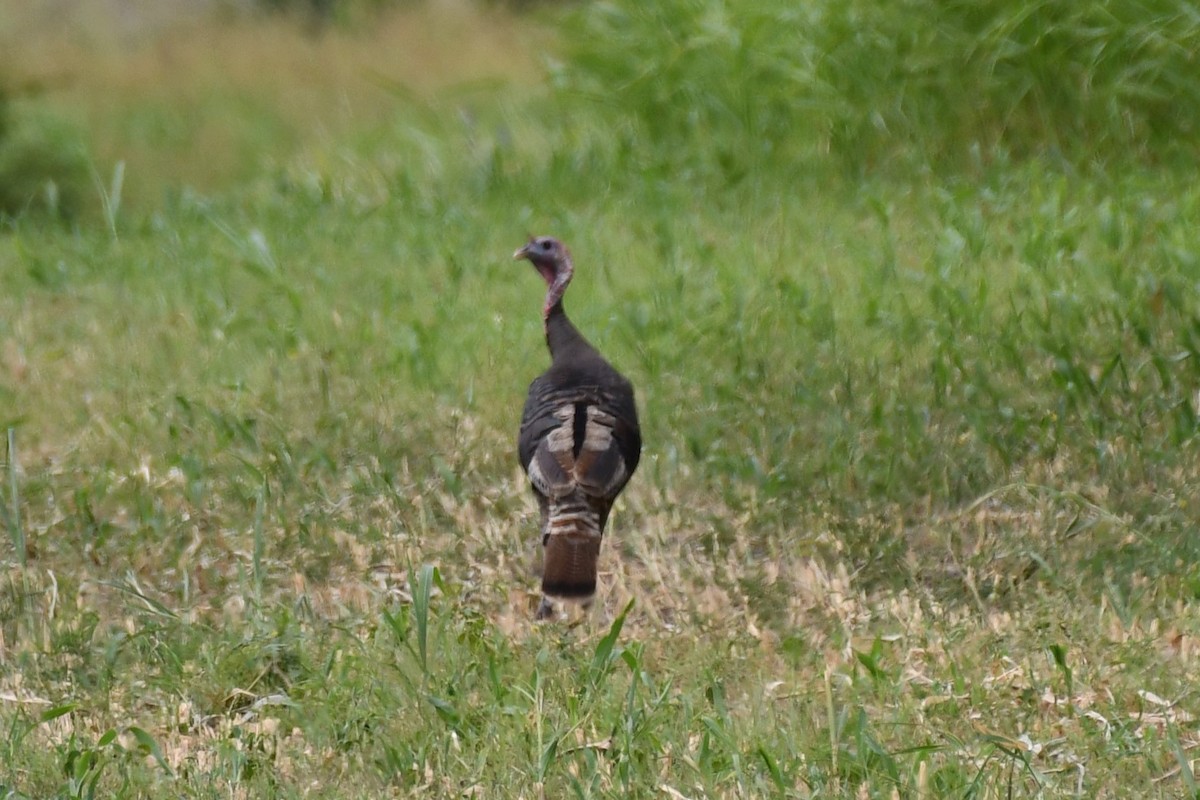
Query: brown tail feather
[[570, 565]]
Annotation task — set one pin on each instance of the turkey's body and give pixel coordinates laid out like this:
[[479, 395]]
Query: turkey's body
[[579, 443]]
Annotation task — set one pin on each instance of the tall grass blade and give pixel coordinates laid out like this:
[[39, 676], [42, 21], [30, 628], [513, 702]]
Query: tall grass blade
[[15, 531], [147, 744], [1059, 653], [110, 196], [422, 591], [260, 543], [547, 758], [603, 657], [1186, 773], [129, 586], [115, 189]]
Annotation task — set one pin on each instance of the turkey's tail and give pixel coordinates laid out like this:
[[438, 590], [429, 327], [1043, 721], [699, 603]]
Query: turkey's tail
[[572, 545]]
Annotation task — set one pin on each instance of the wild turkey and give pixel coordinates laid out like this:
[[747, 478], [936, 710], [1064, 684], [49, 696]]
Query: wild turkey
[[579, 441]]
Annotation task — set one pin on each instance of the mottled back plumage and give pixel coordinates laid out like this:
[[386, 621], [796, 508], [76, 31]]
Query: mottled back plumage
[[579, 440]]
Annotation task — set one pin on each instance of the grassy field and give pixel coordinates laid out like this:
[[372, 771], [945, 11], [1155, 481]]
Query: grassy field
[[917, 515]]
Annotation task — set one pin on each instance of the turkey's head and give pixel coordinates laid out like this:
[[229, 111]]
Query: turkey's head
[[552, 260]]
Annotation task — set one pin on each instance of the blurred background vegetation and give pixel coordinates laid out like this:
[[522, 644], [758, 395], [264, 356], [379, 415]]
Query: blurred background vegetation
[[711, 86], [935, 82]]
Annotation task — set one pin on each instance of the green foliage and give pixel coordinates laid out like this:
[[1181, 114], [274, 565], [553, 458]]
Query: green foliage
[[749, 83], [727, 85], [1089, 79]]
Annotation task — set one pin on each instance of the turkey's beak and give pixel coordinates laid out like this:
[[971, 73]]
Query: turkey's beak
[[525, 251]]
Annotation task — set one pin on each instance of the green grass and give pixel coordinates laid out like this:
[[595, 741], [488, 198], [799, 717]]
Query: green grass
[[916, 515], [735, 87]]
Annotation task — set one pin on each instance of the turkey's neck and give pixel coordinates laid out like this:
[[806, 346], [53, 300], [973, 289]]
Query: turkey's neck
[[561, 335]]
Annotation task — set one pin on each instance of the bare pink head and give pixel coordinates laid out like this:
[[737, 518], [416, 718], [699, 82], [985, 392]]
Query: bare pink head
[[552, 260]]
